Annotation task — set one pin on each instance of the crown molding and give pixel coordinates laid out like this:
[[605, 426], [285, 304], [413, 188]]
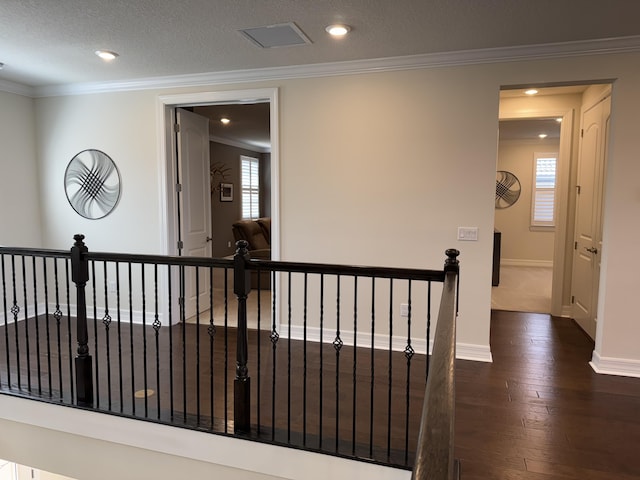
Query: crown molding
[[17, 88], [431, 60]]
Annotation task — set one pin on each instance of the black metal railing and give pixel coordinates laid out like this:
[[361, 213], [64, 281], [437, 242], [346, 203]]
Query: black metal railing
[[312, 356]]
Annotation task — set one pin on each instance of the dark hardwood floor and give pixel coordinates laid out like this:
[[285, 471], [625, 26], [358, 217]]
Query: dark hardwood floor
[[540, 412]]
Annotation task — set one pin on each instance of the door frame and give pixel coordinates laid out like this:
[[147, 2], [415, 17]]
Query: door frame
[[167, 175], [560, 267]]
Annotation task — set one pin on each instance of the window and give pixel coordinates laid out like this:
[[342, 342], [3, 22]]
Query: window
[[544, 190], [250, 187]]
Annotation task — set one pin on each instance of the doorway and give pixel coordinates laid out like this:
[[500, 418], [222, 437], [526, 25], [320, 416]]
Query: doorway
[[566, 104], [171, 220]]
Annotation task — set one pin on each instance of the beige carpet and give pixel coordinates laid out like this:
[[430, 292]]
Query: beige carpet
[[523, 289]]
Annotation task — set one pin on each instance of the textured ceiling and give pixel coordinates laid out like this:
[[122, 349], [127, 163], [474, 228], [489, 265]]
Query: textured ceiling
[[51, 42]]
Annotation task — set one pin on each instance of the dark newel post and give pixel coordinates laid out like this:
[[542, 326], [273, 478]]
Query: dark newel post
[[452, 263], [80, 276], [242, 382]]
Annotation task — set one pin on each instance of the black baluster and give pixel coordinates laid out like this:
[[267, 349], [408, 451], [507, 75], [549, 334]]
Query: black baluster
[[242, 382], [6, 321], [106, 321], [95, 332], [170, 323], [408, 353], [47, 329], [131, 349], [390, 385], [337, 345], [304, 366], [83, 361], [145, 379], [37, 321], [156, 327], [373, 336], [355, 363], [197, 275], [273, 337], [69, 329], [289, 358], [26, 322], [321, 345], [119, 320], [258, 354], [211, 330], [57, 315], [15, 309]]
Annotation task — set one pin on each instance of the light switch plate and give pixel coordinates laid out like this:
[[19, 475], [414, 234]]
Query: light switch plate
[[468, 234]]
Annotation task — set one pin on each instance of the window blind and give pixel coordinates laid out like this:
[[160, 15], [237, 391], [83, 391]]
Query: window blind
[[250, 180]]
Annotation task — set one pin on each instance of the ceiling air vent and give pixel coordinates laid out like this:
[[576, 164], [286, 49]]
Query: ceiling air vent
[[272, 36]]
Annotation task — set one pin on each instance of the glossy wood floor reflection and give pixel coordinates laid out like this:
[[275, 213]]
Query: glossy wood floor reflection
[[540, 412]]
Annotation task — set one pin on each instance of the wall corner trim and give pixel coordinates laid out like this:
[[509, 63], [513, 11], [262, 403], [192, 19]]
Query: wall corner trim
[[625, 367]]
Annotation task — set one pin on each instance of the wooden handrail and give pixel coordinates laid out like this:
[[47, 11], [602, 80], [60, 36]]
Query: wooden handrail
[[434, 456]]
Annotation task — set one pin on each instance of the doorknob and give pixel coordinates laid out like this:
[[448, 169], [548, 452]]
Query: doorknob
[[592, 250], [209, 239]]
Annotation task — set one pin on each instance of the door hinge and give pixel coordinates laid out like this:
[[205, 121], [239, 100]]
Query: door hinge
[[575, 245], [573, 299], [178, 187], [578, 189], [176, 127], [581, 132], [180, 244]]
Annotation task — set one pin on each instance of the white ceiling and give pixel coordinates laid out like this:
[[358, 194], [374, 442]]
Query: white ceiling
[[51, 42]]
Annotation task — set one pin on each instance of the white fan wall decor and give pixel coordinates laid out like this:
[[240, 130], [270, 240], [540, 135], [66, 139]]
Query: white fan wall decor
[[507, 189]]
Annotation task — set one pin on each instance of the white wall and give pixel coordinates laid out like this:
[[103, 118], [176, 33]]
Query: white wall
[[86, 445], [19, 195], [519, 242], [427, 140]]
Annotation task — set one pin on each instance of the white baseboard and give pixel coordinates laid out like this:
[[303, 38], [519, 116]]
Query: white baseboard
[[464, 351], [517, 262], [624, 367], [477, 353], [567, 311]]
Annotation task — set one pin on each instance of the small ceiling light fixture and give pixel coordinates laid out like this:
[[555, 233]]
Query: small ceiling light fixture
[[224, 120], [542, 135], [531, 91], [106, 55], [338, 30]]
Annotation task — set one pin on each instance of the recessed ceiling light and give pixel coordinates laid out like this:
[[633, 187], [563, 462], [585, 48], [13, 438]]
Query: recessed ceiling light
[[338, 30], [543, 135], [531, 91], [224, 120], [106, 55]]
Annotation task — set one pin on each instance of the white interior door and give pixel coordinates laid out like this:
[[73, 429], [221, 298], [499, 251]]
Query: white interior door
[[195, 201], [588, 226]]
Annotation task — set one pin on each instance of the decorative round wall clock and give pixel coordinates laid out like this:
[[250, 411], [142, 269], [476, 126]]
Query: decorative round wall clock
[[507, 189], [92, 184]]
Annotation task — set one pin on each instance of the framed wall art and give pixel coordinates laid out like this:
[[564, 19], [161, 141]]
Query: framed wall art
[[226, 192]]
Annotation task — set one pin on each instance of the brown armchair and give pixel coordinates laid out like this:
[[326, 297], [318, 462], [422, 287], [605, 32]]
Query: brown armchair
[[257, 233]]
